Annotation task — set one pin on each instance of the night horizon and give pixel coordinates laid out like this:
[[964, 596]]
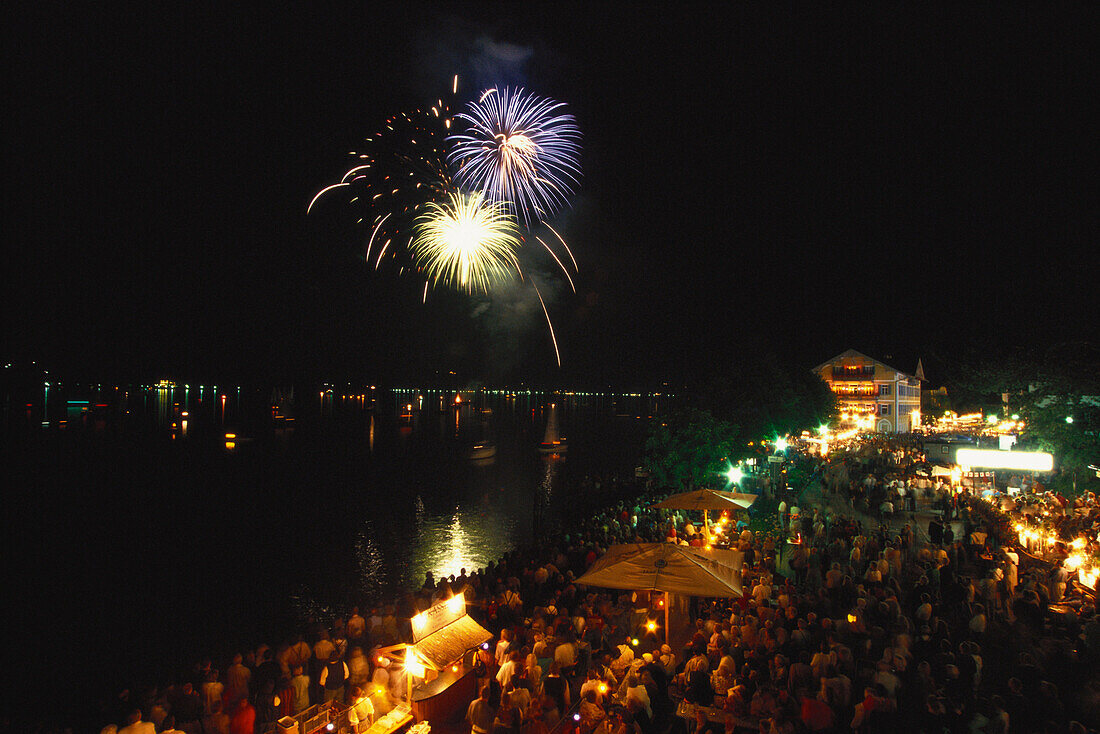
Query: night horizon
[[891, 183]]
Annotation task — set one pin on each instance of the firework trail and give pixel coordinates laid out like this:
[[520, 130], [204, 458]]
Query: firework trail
[[520, 150], [554, 339]]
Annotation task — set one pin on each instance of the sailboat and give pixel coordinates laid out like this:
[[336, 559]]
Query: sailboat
[[484, 449], [552, 441]]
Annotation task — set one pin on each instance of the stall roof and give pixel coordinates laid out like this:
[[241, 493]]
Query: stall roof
[[450, 643]]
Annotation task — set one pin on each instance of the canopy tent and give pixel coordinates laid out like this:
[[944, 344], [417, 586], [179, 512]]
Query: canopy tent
[[941, 471], [707, 500], [676, 569], [729, 558], [667, 567]]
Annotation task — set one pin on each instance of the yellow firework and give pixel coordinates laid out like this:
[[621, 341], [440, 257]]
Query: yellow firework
[[467, 242]]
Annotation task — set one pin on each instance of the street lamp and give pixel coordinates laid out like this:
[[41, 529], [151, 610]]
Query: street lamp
[[735, 474], [1069, 419], [780, 444]]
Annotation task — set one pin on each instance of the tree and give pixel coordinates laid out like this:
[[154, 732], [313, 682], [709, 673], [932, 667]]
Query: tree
[[981, 378], [765, 397], [690, 449], [1045, 388], [1062, 406]]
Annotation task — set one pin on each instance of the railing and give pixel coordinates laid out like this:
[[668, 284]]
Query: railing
[[316, 719], [856, 391], [857, 374], [567, 723]]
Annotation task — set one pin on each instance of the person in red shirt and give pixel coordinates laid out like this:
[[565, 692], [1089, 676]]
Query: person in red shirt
[[244, 719], [816, 715]]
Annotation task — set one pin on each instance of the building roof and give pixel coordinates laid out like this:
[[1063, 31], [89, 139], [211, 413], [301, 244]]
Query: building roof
[[854, 353]]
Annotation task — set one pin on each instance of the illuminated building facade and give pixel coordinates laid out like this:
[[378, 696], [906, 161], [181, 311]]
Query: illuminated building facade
[[871, 394]]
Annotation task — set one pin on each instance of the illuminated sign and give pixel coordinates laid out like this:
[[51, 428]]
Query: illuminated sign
[[991, 459], [438, 617]]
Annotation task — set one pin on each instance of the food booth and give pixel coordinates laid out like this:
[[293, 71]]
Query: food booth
[[440, 681]]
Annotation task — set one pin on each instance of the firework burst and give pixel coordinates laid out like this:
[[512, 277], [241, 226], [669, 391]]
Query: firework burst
[[516, 159], [400, 170], [467, 243], [520, 149]]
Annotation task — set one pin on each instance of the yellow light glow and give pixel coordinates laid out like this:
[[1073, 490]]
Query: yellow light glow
[[992, 459], [651, 626], [1078, 543], [852, 618], [603, 688], [455, 603], [414, 667], [230, 436], [419, 620], [230, 445], [634, 642]]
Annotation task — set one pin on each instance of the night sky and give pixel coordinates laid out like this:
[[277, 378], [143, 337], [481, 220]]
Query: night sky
[[895, 179]]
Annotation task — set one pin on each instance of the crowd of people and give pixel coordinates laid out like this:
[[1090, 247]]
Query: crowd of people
[[851, 619]]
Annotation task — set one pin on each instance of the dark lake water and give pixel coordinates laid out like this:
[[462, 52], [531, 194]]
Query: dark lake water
[[136, 544]]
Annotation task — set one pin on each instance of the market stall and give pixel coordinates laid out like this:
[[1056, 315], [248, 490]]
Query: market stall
[[445, 681]]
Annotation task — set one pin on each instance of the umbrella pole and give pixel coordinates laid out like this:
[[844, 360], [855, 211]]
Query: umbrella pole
[[666, 619]]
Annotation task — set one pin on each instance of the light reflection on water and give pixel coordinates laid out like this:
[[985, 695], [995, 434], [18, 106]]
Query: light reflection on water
[[444, 545], [365, 455]]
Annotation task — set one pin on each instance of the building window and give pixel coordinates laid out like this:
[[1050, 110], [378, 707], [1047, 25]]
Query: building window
[[884, 409], [883, 389]]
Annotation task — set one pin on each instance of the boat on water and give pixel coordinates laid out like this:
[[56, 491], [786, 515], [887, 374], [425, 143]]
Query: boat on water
[[552, 440], [483, 450]]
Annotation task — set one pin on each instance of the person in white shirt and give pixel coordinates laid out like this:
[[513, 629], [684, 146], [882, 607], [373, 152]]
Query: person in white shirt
[[761, 592], [510, 668], [633, 689], [361, 713], [502, 646], [594, 683], [137, 726], [299, 684], [237, 678], [565, 655], [323, 648]]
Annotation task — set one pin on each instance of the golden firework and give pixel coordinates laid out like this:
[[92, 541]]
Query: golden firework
[[467, 243]]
